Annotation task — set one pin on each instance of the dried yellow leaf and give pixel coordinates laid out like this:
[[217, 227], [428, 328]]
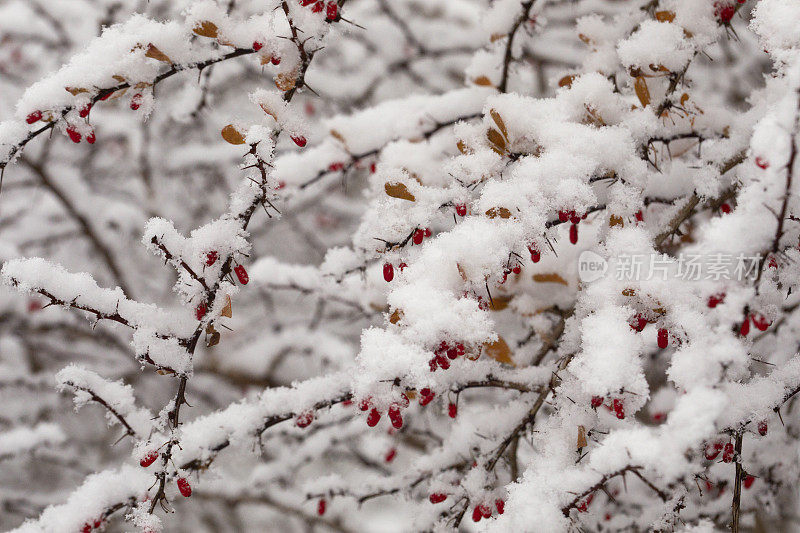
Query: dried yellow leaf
[[501, 212], [285, 81], [462, 272], [206, 29], [232, 135], [499, 121], [566, 81], [154, 53], [483, 81], [396, 316], [398, 190], [498, 303], [463, 148], [582, 442], [227, 311], [497, 141], [550, 277], [615, 220], [499, 351], [642, 92], [75, 91], [665, 16]]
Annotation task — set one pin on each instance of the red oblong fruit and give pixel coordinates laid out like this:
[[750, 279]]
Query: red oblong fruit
[[388, 272], [241, 274], [184, 487], [149, 459]]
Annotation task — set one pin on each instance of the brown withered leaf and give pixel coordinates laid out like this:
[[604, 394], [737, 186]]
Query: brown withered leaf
[[642, 92], [411, 394], [483, 81], [501, 212], [154, 53], [585, 39], [665, 16], [462, 272], [566, 81], [615, 220], [463, 148], [498, 303], [119, 78], [550, 277], [227, 311], [206, 29], [496, 37], [684, 98], [396, 316], [164, 372], [497, 141], [499, 121], [232, 135], [214, 339], [339, 137], [499, 351], [285, 81], [398, 190], [582, 442], [630, 291], [75, 91]]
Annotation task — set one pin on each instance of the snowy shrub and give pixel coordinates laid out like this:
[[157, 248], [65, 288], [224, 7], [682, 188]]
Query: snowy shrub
[[373, 265]]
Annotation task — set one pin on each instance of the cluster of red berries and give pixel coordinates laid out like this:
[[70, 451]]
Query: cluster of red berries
[[445, 352], [713, 449], [516, 269], [617, 405], [583, 506], [574, 218], [759, 321], [536, 255], [419, 234], [483, 510], [275, 60], [331, 8], [96, 524]]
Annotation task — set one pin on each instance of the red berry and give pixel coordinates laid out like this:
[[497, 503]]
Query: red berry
[[36, 116], [84, 112], [395, 417], [98, 523], [401, 266], [390, 455], [762, 163], [275, 60], [597, 401], [745, 329], [388, 272], [426, 396], [372, 167], [364, 404], [299, 140], [748, 481], [762, 428], [211, 258], [200, 310], [319, 6], [619, 408], [573, 234], [663, 338], [477, 514], [486, 511], [535, 255], [241, 274], [452, 410], [760, 321], [136, 101], [443, 362], [87, 527], [427, 232], [727, 453], [333, 167], [306, 3], [712, 450], [437, 497], [716, 299], [563, 216], [321, 505], [639, 216], [658, 417], [91, 138], [373, 418], [304, 419], [517, 269], [332, 11], [573, 217], [184, 487], [257, 46], [73, 134], [725, 208], [460, 349], [639, 322], [500, 505], [418, 235], [725, 12], [461, 210], [149, 459]]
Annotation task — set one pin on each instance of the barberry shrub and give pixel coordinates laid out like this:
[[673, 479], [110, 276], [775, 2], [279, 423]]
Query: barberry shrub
[[332, 256]]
